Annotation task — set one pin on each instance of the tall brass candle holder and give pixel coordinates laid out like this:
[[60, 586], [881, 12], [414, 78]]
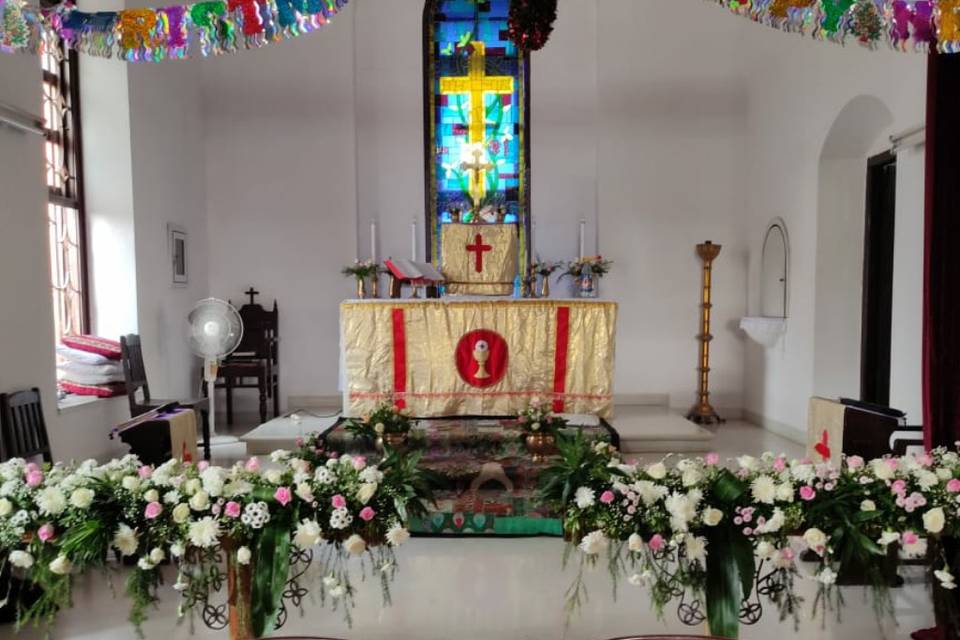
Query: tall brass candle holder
[[702, 412]]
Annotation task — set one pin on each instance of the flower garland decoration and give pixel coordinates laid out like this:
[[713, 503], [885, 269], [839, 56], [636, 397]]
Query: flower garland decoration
[[60, 521], [703, 529], [157, 34], [531, 23]]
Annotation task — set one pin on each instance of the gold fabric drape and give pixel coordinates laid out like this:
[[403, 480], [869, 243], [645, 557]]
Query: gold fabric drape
[[428, 332], [498, 249]]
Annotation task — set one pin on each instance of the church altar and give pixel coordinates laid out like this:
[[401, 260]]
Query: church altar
[[468, 357], [486, 479]]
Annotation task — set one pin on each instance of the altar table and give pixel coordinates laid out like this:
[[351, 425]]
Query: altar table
[[458, 357], [488, 480]]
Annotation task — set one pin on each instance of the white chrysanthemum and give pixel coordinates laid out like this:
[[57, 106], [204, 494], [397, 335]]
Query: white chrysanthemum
[[594, 543], [366, 491], [785, 492], [695, 548], [125, 540], [279, 455], [584, 497], [355, 545], [308, 534], [682, 509], [764, 489], [61, 565], [213, 480], [397, 535], [9, 487], [926, 479], [21, 559], [371, 474], [802, 473], [51, 501], [204, 532], [171, 497], [650, 492], [340, 518]]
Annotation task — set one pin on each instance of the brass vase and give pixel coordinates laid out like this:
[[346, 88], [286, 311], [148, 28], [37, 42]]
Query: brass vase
[[375, 286], [545, 286], [361, 288], [540, 445], [393, 440]]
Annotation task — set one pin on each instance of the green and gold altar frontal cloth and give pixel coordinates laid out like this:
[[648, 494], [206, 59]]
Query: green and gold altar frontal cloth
[[488, 479], [441, 358]]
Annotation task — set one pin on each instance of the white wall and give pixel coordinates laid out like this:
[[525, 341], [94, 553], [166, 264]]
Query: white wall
[[796, 90]]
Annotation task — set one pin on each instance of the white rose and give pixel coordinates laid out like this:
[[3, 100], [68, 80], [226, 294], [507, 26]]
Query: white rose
[[191, 486], [933, 520], [200, 501], [764, 489], [881, 469], [145, 564], [943, 473], [868, 505], [366, 491], [304, 492], [584, 497], [397, 535], [61, 565], [308, 534], [244, 555], [181, 513], [273, 476], [152, 495], [747, 462], [6, 507], [691, 477], [695, 547], [657, 471], [355, 545], [816, 540], [635, 542], [712, 517], [765, 550], [594, 543], [125, 540], [21, 559], [371, 474], [157, 555], [926, 479], [785, 492], [130, 483], [176, 549]]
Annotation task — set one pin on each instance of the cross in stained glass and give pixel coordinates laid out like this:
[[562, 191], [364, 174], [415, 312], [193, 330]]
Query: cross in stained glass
[[477, 84]]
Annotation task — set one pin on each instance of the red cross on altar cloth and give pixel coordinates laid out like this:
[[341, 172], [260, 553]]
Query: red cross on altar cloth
[[480, 248]]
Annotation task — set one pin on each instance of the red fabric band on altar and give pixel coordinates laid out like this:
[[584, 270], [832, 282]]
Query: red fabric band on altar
[[399, 359], [560, 358]]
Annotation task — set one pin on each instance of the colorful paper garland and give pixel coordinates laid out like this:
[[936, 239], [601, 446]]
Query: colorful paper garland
[[166, 33]]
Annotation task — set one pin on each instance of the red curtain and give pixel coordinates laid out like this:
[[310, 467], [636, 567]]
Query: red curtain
[[941, 313]]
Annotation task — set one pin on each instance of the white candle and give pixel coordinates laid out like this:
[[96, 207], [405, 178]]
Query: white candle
[[533, 237], [413, 240], [373, 241], [583, 233]]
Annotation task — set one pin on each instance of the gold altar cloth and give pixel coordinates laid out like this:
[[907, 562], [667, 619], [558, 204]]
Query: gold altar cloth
[[478, 357], [479, 259]]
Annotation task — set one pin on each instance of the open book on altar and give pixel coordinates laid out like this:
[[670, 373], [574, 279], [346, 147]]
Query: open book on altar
[[417, 273]]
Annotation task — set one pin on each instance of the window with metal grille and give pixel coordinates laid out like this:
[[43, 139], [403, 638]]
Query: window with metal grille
[[65, 219]]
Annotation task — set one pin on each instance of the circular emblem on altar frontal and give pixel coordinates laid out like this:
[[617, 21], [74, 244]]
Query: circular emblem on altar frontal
[[482, 357]]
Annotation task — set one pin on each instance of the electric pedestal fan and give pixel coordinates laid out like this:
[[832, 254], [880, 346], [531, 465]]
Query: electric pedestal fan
[[214, 330]]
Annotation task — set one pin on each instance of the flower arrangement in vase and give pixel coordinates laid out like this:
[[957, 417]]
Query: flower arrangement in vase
[[544, 269], [585, 273], [387, 426], [539, 426], [362, 270]]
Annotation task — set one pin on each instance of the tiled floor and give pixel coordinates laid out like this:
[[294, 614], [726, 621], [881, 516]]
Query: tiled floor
[[503, 589]]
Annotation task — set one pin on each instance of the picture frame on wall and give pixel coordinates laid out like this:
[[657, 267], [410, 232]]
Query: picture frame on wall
[[177, 246]]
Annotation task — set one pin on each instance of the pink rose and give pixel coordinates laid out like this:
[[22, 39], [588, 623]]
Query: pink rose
[[854, 462], [807, 493], [338, 501], [925, 460], [712, 458], [145, 472], [787, 554], [45, 532], [899, 487], [607, 497], [153, 510], [909, 537], [893, 463], [31, 467], [232, 509], [953, 486], [359, 462], [253, 464], [283, 495], [203, 465], [656, 542], [34, 479], [366, 514], [779, 464]]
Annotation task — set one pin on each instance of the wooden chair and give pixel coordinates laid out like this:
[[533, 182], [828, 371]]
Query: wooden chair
[[255, 363], [23, 431], [135, 377]]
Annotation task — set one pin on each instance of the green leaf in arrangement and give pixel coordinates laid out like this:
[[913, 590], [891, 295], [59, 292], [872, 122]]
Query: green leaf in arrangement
[[273, 566], [730, 574]]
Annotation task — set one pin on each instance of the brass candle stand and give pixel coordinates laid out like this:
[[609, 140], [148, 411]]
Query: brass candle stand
[[702, 412]]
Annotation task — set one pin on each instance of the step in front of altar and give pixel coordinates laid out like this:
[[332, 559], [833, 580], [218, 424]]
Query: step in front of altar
[[489, 480]]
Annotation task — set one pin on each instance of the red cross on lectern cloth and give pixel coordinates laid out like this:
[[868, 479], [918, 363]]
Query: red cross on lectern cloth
[[480, 248]]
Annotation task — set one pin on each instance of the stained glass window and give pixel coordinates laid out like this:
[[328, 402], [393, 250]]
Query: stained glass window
[[477, 118], [64, 192]]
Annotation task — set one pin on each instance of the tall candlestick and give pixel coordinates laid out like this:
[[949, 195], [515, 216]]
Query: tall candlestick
[[583, 233], [373, 241], [702, 412], [413, 240]]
